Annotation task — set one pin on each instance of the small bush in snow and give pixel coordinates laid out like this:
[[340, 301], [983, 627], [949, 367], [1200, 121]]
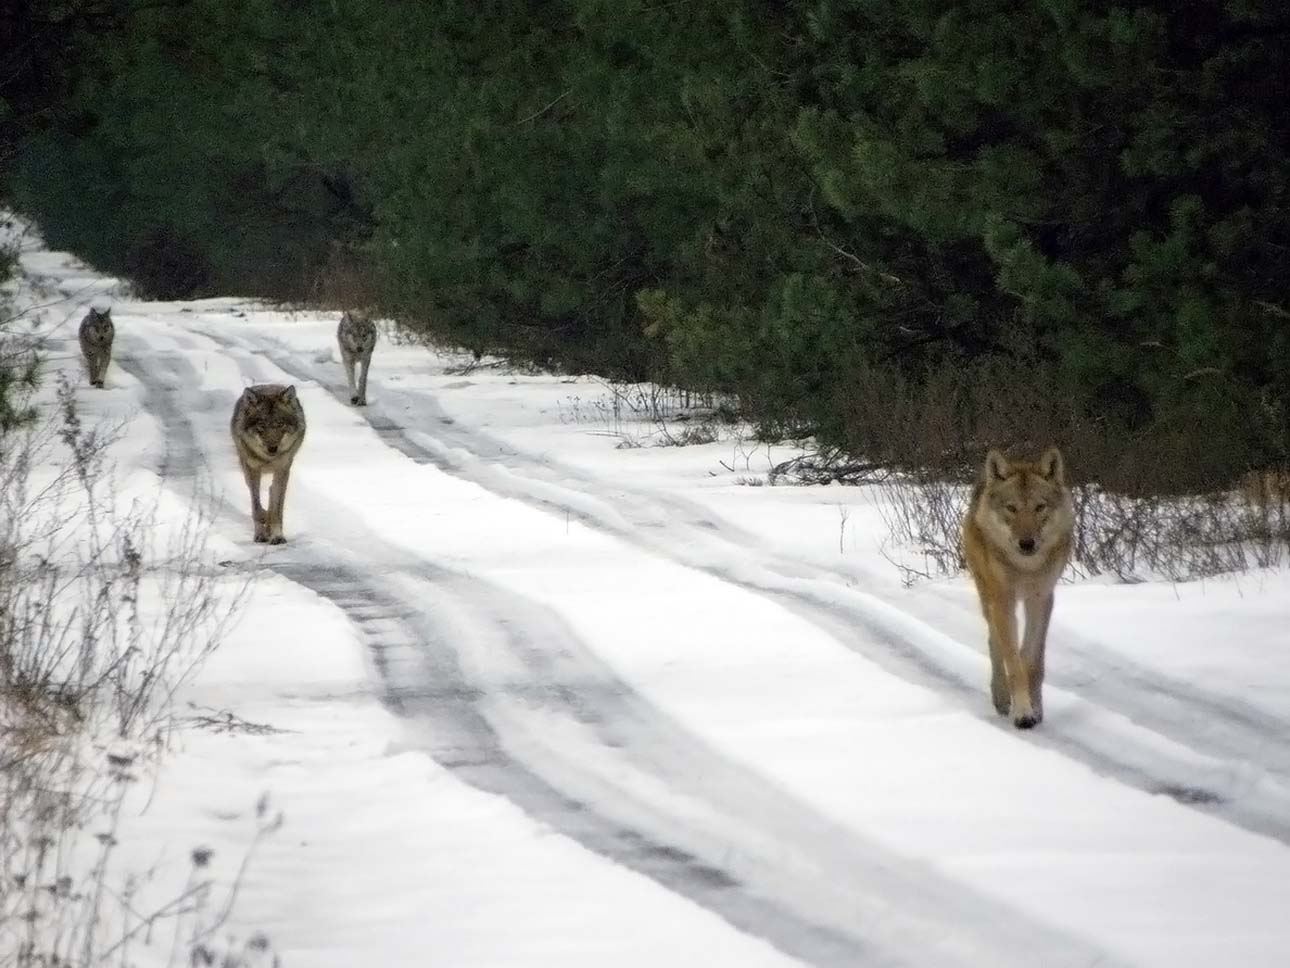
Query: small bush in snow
[[99, 625]]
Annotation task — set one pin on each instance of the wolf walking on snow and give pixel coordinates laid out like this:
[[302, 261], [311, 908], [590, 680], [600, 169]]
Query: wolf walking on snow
[[268, 428], [357, 337], [1017, 537], [96, 335]]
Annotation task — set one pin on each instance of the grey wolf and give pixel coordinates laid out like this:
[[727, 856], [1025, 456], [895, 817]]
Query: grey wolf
[[96, 335], [357, 337], [268, 428], [1017, 538]]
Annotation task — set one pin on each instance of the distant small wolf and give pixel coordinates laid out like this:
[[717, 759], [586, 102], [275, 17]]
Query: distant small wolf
[[96, 335], [268, 428], [357, 337], [1017, 537]]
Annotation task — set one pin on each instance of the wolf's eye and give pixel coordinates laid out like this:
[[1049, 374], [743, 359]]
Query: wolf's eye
[[1012, 509], [1040, 506]]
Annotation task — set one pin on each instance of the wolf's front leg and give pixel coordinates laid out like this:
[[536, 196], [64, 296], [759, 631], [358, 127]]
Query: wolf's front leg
[[347, 360], [360, 398], [1000, 694], [277, 500], [1002, 616], [258, 518], [1033, 646]]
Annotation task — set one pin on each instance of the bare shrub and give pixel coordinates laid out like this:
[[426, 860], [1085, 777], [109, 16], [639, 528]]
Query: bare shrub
[[829, 465], [658, 403], [97, 620], [100, 623], [640, 413], [690, 435], [1267, 489], [1175, 538], [344, 281], [1178, 538], [924, 515], [66, 900], [1160, 500]]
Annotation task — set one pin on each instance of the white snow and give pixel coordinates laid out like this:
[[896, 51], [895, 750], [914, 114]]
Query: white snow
[[733, 674]]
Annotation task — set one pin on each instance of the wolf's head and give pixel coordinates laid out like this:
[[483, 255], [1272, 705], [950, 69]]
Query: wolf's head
[[270, 421], [1025, 507], [357, 333], [97, 324]]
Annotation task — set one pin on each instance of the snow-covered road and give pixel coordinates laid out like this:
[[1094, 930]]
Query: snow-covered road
[[554, 702]]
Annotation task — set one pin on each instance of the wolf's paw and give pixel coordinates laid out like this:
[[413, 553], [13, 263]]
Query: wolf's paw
[[357, 402], [277, 539], [1026, 720], [261, 538]]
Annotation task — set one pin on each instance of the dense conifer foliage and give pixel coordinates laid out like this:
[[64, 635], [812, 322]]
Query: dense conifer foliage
[[808, 203]]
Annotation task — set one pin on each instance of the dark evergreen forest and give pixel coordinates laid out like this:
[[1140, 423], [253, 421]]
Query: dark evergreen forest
[[910, 227]]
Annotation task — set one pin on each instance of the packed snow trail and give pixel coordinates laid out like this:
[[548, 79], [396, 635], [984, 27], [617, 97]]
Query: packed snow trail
[[545, 724], [738, 737], [1208, 751]]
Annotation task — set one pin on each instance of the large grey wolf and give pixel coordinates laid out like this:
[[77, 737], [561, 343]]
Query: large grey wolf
[[268, 428], [96, 343], [1017, 537], [357, 337]]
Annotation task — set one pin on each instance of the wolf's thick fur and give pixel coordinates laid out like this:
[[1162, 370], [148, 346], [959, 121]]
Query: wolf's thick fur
[[357, 337], [96, 335], [1017, 538], [268, 428]]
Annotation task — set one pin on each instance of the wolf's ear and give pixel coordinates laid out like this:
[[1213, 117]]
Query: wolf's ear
[[996, 466], [1052, 466], [289, 394]]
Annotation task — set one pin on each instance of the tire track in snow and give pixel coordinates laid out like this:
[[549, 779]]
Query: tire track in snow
[[615, 774], [1162, 736]]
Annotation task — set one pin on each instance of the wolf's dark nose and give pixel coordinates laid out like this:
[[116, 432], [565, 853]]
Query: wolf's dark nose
[[1027, 545]]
